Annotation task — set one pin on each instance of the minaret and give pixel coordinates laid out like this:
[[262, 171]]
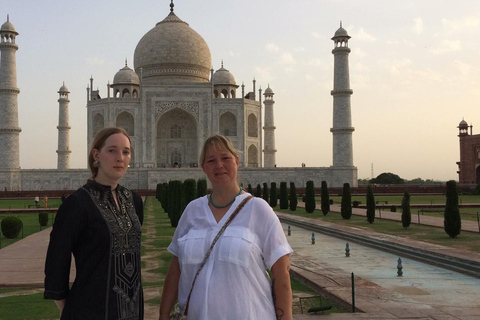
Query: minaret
[[342, 113], [9, 130], [269, 130], [63, 150]]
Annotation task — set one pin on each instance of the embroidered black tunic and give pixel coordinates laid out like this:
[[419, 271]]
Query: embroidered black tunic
[[105, 242]]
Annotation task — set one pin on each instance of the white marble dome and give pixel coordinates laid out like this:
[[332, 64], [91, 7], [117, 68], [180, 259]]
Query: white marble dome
[[172, 52], [126, 76], [223, 77]]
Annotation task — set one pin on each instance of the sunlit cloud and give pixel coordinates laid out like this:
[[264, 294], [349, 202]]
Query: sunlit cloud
[[234, 54], [463, 25], [263, 74], [447, 46], [272, 47], [316, 35], [309, 77], [362, 35], [299, 49], [464, 68], [287, 58], [418, 25]]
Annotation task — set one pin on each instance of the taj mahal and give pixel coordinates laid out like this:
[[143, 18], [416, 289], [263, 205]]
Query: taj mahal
[[169, 102]]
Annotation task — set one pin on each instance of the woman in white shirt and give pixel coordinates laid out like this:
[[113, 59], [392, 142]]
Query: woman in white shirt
[[233, 283]]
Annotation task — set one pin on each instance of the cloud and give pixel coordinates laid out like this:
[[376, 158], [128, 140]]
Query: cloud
[[299, 49], [272, 47], [263, 74], [316, 35], [447, 46], [362, 35], [464, 68], [309, 77], [287, 58], [463, 25], [234, 54], [418, 25]]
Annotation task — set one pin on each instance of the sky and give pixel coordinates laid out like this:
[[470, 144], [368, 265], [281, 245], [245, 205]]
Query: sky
[[414, 72]]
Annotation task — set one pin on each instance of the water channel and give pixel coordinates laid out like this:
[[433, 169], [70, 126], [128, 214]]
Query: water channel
[[421, 283]]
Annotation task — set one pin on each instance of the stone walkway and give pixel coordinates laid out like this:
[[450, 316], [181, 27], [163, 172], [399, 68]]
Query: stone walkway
[[22, 265]]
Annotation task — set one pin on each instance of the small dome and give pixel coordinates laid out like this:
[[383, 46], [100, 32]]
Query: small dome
[[223, 77], [63, 89], [463, 124], [341, 33], [126, 76], [8, 27], [268, 90]]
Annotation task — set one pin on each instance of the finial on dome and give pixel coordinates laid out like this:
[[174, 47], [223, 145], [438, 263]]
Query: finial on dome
[[171, 6], [125, 62], [340, 22], [8, 18], [222, 63]]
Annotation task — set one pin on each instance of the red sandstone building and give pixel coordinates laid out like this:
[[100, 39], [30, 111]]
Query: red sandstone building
[[469, 164]]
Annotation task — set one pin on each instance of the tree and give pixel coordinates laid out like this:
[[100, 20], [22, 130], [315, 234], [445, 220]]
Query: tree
[[164, 196], [325, 198], [250, 189], [293, 197], [158, 191], [283, 195], [258, 191], [310, 197], [273, 195], [346, 206], [265, 194], [189, 191], [175, 201], [406, 214], [370, 205], [201, 187], [452, 222], [387, 178]]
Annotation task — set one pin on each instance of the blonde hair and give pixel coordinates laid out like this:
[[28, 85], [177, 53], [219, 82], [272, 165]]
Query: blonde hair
[[99, 142], [217, 141]]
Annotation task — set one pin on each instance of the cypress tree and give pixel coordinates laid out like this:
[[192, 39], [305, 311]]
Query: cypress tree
[[310, 197], [175, 201], [249, 189], [370, 205], [346, 206], [201, 187], [189, 192], [163, 195], [265, 194], [258, 191], [325, 198], [406, 214], [283, 195], [158, 191], [293, 197], [452, 222], [273, 195]]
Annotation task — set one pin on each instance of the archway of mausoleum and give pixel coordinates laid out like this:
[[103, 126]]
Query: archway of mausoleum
[[125, 120], [253, 157], [252, 126], [228, 124], [177, 140], [98, 123]]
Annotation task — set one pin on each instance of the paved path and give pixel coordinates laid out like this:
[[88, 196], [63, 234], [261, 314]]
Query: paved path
[[22, 264]]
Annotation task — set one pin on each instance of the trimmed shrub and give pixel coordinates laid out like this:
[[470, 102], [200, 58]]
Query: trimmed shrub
[[330, 201], [158, 191], [11, 227], [175, 201], [189, 191], [283, 195], [258, 191], [346, 206], [325, 198], [265, 194], [250, 189], [393, 208], [452, 222], [355, 203], [310, 197], [43, 219], [406, 214], [273, 195], [201, 187], [370, 205], [293, 197]]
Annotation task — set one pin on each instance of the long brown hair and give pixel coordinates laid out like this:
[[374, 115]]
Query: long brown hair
[[99, 142]]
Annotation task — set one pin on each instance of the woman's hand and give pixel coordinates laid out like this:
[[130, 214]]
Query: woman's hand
[[170, 289]]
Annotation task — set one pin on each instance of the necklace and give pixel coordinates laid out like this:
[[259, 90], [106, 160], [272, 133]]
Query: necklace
[[226, 205]]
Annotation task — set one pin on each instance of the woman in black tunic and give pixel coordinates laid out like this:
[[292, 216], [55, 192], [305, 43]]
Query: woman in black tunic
[[100, 224]]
